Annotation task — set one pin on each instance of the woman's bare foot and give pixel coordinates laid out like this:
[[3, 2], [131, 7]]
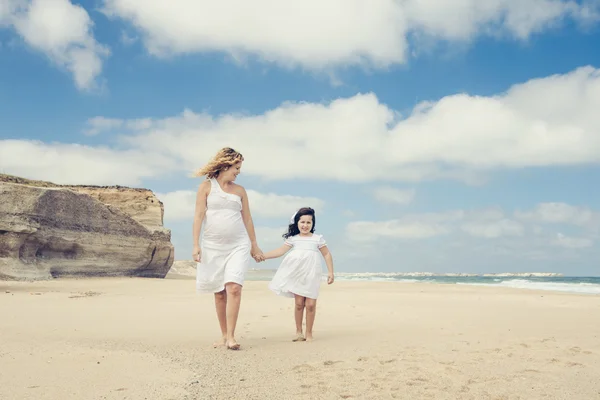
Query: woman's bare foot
[[299, 337], [309, 338], [220, 342], [232, 344]]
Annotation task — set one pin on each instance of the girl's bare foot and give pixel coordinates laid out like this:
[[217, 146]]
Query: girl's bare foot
[[232, 344], [299, 337], [220, 342]]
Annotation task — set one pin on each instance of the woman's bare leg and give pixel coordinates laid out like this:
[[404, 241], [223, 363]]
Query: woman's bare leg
[[221, 306], [311, 310], [234, 299], [299, 316]]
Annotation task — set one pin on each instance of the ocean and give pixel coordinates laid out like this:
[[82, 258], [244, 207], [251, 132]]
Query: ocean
[[573, 284]]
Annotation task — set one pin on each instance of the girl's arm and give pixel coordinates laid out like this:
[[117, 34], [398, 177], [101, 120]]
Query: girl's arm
[[247, 218], [329, 261], [277, 252]]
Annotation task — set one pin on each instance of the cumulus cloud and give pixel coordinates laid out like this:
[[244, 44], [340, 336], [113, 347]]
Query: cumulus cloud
[[345, 32], [561, 213], [489, 224], [573, 242], [179, 205], [100, 124], [494, 229], [550, 121], [62, 31], [543, 122], [77, 164], [368, 231], [387, 194]]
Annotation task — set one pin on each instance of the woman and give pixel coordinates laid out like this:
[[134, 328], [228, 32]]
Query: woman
[[228, 239]]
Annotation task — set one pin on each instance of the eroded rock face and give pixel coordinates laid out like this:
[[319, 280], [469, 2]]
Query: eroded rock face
[[49, 230]]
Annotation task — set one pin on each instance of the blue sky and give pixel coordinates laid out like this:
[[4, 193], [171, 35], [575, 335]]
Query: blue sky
[[450, 138]]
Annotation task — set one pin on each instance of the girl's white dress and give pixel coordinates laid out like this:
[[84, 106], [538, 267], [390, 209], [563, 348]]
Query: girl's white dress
[[301, 268], [225, 242]]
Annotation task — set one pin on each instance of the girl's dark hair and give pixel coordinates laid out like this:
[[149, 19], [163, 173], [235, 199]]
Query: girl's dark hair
[[293, 228]]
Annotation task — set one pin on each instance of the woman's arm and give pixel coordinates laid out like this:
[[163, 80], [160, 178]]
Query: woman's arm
[[247, 217], [199, 214], [329, 261], [277, 252]]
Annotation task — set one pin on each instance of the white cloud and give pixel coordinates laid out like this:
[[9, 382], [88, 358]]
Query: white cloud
[[269, 238], [99, 124], [463, 19], [62, 31], [544, 122], [487, 223], [179, 205], [561, 213], [573, 242], [370, 231], [495, 229], [464, 230], [273, 205], [128, 40], [77, 164], [344, 32], [387, 194]]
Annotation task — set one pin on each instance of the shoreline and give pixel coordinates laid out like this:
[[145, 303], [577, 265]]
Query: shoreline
[[5, 285]]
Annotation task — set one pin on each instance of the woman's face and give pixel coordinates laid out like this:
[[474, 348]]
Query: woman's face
[[232, 172]]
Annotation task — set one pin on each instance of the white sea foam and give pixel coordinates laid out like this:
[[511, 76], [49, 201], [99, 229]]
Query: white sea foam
[[580, 287]]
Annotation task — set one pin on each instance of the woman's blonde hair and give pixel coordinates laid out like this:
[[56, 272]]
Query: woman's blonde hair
[[225, 158]]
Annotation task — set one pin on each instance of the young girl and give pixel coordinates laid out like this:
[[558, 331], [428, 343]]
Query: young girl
[[299, 275]]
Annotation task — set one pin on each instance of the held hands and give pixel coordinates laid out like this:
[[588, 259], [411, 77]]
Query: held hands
[[257, 254]]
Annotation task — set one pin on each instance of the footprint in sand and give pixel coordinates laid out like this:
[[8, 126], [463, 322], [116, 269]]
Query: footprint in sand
[[303, 368], [85, 294], [327, 363], [574, 364], [447, 362]]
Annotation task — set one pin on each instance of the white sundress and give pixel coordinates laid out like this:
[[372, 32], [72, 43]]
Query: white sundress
[[301, 268], [225, 243]]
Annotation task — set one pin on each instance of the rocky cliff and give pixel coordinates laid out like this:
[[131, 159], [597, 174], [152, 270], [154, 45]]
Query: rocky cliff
[[49, 230]]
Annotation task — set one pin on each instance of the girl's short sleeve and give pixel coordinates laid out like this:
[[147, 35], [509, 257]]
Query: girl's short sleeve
[[322, 242], [289, 241]]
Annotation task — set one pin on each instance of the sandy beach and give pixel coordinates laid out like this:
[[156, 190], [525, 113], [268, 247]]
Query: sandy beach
[[152, 339]]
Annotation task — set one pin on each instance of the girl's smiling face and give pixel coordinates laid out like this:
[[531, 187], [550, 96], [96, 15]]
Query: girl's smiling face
[[305, 224]]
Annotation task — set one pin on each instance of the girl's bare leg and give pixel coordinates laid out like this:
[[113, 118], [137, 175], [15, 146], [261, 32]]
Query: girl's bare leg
[[299, 315], [311, 310], [221, 306]]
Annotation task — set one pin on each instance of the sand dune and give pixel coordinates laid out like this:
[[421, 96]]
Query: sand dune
[[151, 339]]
